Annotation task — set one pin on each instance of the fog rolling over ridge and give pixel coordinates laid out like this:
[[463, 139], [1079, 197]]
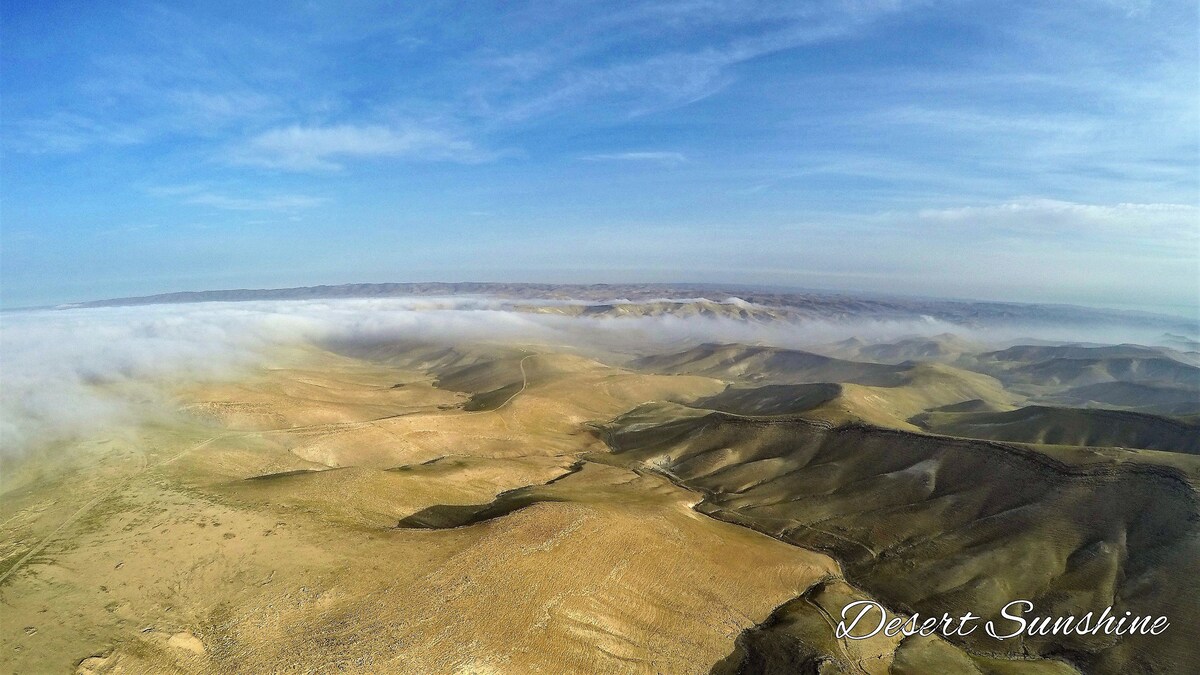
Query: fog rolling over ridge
[[71, 370]]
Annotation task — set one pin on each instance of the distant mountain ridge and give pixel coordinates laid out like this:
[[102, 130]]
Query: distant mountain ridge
[[801, 304]]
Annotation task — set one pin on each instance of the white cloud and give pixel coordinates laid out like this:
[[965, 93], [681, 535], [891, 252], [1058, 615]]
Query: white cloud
[[298, 148], [667, 158], [66, 133], [657, 79], [1131, 8], [272, 203], [205, 109], [1178, 224], [976, 122], [201, 196]]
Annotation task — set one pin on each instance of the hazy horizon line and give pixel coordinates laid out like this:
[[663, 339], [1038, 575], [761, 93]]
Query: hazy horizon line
[[683, 285]]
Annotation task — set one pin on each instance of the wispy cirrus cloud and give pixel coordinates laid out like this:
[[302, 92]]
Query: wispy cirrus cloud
[[975, 122], [200, 195], [283, 202], [1171, 224], [659, 157], [595, 64], [324, 148], [144, 117], [66, 133]]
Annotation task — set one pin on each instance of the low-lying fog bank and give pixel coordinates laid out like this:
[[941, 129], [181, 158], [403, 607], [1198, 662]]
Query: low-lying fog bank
[[68, 372]]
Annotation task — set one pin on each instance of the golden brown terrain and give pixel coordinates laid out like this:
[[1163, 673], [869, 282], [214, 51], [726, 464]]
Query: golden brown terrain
[[515, 508]]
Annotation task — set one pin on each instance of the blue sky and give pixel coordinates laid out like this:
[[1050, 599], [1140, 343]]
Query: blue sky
[[1027, 151]]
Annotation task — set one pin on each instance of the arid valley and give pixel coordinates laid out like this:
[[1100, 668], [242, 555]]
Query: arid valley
[[541, 480]]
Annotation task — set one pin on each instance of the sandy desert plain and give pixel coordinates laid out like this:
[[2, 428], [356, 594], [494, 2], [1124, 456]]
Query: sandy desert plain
[[590, 480]]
